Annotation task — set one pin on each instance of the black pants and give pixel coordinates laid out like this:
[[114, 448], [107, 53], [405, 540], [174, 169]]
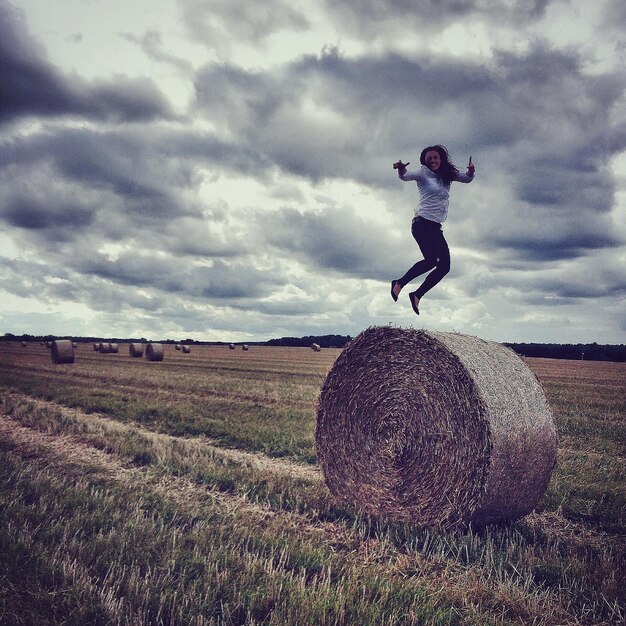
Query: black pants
[[434, 247]]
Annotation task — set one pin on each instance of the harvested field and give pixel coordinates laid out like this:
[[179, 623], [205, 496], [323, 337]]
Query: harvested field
[[187, 492]]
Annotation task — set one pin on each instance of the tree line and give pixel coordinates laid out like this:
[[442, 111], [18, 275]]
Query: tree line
[[579, 351]]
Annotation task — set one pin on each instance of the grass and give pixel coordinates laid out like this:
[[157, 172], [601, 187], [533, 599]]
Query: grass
[[108, 537], [186, 492]]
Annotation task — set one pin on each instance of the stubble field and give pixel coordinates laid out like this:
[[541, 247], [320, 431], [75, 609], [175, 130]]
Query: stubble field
[[186, 492]]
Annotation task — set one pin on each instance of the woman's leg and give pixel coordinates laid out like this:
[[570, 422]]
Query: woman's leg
[[428, 236], [441, 269]]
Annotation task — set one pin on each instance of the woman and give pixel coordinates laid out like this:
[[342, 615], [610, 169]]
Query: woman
[[433, 181]]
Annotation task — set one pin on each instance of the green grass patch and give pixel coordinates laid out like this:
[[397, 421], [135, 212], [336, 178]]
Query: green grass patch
[[141, 560], [274, 430]]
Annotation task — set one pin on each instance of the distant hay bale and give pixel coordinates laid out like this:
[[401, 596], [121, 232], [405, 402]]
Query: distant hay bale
[[23, 344], [177, 346], [186, 349], [315, 347], [96, 347], [114, 348], [244, 346], [438, 429], [105, 347], [231, 346], [74, 344], [136, 349], [48, 344], [62, 351], [154, 352]]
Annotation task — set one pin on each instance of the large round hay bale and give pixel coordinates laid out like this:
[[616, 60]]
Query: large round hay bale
[[136, 349], [105, 347], [231, 346], [315, 347], [114, 348], [186, 349], [96, 347], [62, 351], [244, 346], [154, 352], [177, 347], [439, 429], [23, 344]]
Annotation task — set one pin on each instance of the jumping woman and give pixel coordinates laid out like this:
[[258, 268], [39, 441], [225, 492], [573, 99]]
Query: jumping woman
[[433, 179]]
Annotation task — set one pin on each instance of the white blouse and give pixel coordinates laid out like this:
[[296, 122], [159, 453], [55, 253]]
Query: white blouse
[[434, 195]]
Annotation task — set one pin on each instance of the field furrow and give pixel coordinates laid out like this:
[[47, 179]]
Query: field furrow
[[100, 431]]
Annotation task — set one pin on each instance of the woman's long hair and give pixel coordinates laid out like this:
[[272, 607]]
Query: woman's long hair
[[447, 171]]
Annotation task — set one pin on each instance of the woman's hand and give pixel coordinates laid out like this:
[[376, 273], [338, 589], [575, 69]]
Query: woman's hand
[[470, 168], [400, 166]]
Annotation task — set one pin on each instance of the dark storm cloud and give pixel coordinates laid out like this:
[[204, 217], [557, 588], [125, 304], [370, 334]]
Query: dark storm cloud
[[138, 279], [107, 161], [565, 185], [323, 116], [137, 190], [220, 279], [139, 163], [591, 277], [614, 18], [23, 278], [336, 108], [31, 86], [140, 174], [334, 239], [601, 287], [55, 282], [388, 19], [49, 215], [542, 244]]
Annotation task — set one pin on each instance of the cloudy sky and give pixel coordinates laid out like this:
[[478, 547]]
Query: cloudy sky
[[222, 171]]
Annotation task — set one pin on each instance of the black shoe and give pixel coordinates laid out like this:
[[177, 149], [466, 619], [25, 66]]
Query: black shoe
[[413, 305], [393, 284]]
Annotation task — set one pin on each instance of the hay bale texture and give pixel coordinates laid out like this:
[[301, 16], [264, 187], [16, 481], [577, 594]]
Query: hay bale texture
[[438, 429], [62, 351], [154, 352], [136, 349]]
